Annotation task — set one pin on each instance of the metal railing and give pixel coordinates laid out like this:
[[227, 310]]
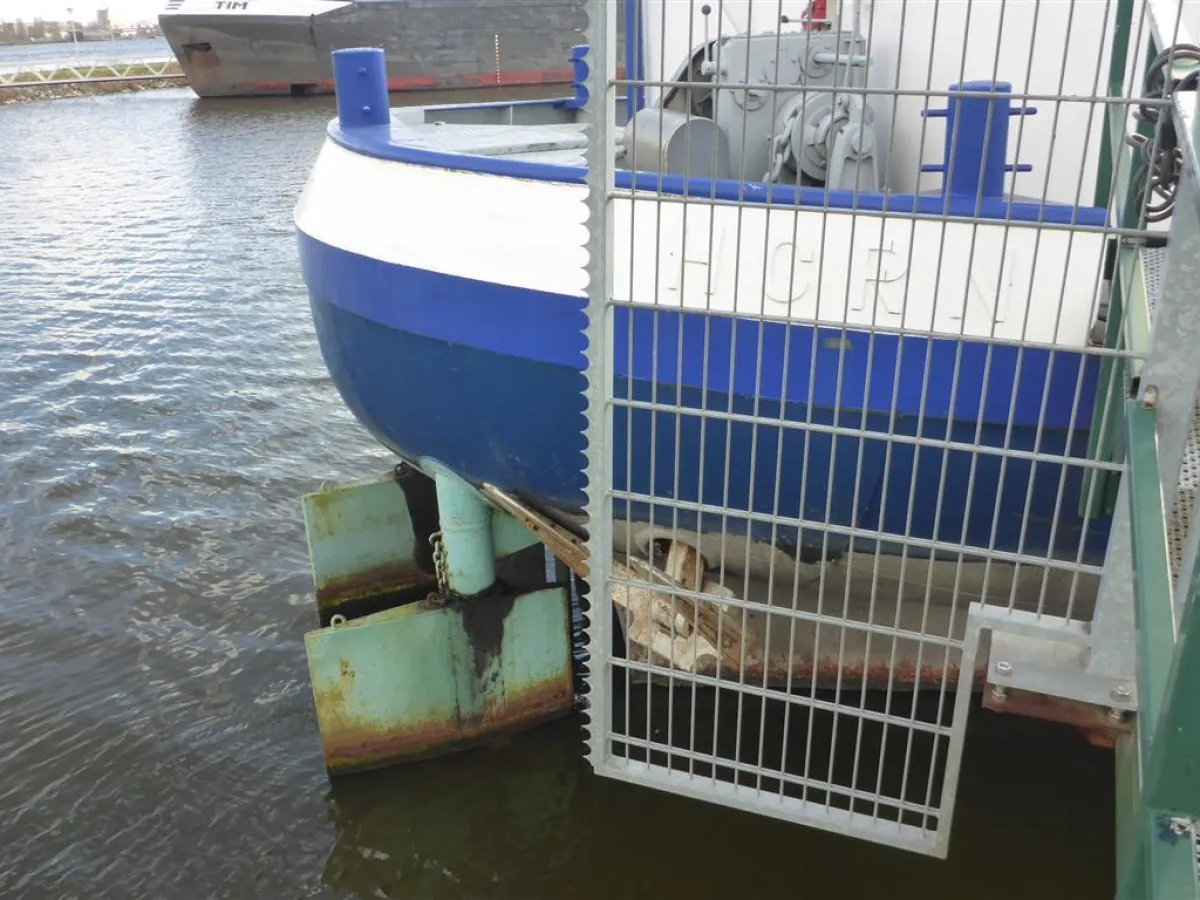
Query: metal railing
[[91, 73], [854, 453]]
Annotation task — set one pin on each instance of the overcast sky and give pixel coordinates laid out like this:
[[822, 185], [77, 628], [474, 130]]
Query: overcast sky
[[120, 11]]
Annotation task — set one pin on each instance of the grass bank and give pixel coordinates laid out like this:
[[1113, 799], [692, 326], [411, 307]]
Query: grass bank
[[53, 84]]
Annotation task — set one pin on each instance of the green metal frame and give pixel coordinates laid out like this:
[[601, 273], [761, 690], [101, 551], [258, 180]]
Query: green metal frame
[[1127, 322], [1158, 764], [1156, 775], [1106, 444]]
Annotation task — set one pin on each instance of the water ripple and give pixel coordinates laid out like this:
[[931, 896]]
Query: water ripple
[[164, 407]]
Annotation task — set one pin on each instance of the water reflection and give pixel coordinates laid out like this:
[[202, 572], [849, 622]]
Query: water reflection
[[164, 407]]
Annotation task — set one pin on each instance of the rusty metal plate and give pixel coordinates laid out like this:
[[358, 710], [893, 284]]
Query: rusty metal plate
[[420, 680]]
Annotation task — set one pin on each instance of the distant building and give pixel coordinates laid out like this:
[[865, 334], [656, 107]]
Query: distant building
[[13, 32], [20, 32], [102, 19]]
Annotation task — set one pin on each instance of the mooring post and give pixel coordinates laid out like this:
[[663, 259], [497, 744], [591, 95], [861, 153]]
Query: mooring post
[[976, 140], [466, 525], [579, 76], [360, 83]]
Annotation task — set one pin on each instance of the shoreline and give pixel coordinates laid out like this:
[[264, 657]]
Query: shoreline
[[51, 91]]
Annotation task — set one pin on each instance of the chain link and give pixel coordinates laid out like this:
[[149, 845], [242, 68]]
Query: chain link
[[781, 145], [441, 566]]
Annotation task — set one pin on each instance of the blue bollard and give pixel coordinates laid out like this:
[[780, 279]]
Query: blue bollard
[[579, 76], [360, 83], [969, 163]]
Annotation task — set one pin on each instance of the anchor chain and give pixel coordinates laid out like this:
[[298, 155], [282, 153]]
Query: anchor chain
[[781, 145], [441, 570]]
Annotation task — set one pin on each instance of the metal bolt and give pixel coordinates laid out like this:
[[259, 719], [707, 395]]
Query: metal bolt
[[999, 691], [1116, 716], [1150, 397], [1122, 693], [362, 70], [366, 110]]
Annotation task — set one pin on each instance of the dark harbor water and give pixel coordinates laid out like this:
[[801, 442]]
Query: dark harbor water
[[163, 407]]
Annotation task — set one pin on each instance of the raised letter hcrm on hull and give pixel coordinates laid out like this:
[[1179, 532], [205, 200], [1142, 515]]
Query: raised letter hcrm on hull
[[838, 268]]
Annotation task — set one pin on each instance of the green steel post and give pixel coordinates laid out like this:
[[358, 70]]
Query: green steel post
[[1159, 863], [1104, 439], [1172, 773], [1116, 83], [1106, 408], [466, 525], [1151, 568], [1128, 796]]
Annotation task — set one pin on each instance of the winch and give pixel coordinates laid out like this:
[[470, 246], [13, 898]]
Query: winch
[[784, 120]]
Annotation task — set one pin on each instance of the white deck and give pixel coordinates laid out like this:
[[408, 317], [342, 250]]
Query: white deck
[[562, 144]]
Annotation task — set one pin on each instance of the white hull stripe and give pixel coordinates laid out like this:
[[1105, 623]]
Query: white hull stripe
[[954, 278]]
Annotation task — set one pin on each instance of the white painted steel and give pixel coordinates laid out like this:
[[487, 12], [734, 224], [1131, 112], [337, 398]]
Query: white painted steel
[[1052, 49], [866, 272], [254, 8]]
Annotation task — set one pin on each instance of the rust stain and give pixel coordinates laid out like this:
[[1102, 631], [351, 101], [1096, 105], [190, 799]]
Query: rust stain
[[1092, 721], [827, 671], [398, 578], [201, 54], [562, 543], [352, 746], [323, 502], [1099, 738], [483, 621]]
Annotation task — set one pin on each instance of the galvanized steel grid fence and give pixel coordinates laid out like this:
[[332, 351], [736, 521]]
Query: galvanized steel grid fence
[[929, 651]]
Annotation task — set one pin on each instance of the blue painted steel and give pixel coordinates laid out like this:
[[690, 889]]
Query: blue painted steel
[[547, 328], [518, 407], [388, 144], [509, 363], [965, 158], [360, 83], [466, 525], [579, 77]]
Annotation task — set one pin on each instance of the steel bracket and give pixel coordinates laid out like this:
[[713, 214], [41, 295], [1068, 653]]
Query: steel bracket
[[1040, 655]]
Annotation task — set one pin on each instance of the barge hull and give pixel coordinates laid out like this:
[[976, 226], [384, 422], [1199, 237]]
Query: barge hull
[[429, 46]]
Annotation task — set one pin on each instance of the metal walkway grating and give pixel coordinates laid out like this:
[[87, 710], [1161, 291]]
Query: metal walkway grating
[[1154, 260], [1180, 521]]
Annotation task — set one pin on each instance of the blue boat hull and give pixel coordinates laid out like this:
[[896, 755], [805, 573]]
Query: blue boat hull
[[488, 380]]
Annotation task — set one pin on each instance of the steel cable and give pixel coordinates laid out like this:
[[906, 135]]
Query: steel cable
[[1162, 157]]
